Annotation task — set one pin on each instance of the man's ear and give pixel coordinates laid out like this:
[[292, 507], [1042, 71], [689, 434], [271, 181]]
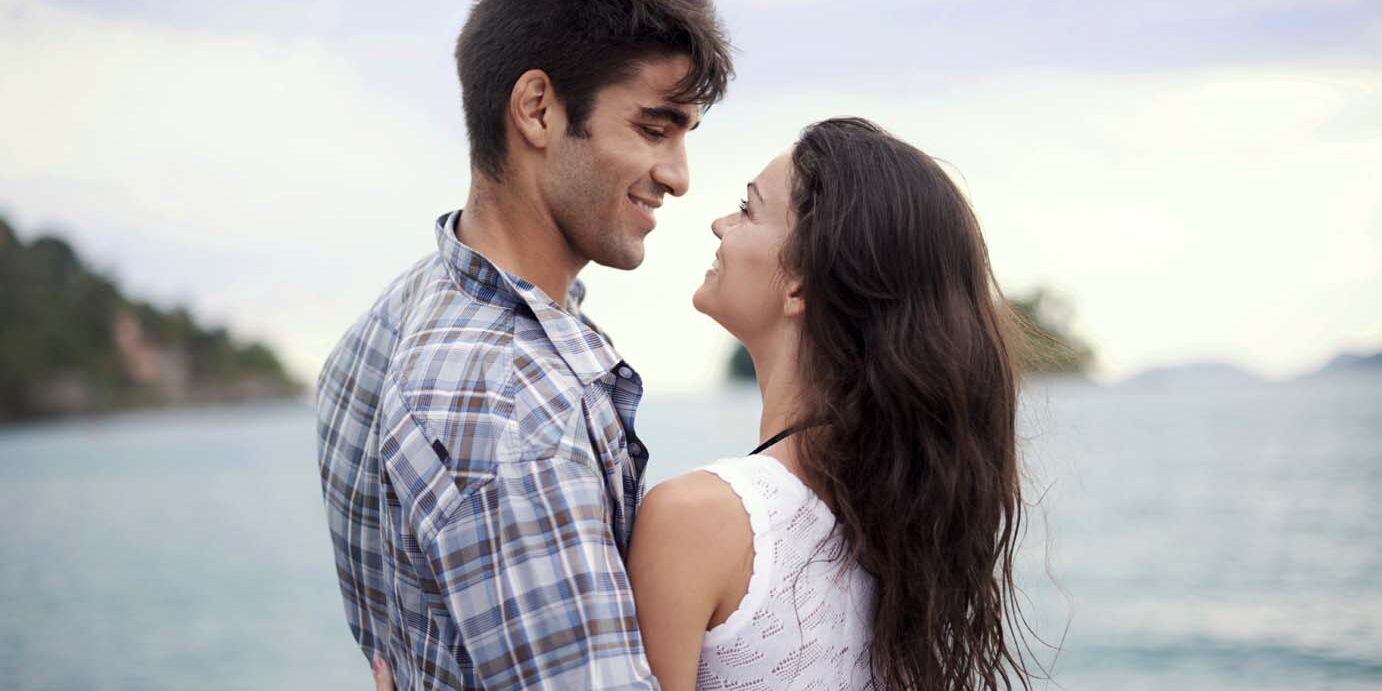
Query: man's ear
[[534, 110]]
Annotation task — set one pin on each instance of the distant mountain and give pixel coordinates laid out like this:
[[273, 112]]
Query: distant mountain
[[71, 342], [1194, 374], [1347, 363]]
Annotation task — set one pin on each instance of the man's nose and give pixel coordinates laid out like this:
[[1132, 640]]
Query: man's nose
[[672, 172]]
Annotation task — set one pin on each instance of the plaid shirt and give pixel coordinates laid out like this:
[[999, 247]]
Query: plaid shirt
[[480, 473]]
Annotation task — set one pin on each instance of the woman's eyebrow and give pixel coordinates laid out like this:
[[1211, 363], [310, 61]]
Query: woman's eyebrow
[[753, 189]]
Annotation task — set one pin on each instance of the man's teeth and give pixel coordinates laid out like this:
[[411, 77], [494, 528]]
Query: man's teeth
[[643, 205]]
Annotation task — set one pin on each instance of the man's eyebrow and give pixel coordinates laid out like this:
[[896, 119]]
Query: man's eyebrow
[[668, 114]]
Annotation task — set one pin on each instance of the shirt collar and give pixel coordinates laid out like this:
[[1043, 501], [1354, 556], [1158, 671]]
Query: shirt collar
[[586, 350]]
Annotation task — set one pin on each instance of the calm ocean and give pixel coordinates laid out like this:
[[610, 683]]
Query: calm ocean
[[1187, 539]]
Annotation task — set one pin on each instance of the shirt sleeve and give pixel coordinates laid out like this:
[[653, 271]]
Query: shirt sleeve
[[523, 557], [346, 407]]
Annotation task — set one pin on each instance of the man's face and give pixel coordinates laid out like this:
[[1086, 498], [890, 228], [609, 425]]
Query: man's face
[[603, 189]]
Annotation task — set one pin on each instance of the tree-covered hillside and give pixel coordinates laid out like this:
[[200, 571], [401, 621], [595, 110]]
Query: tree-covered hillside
[[71, 342]]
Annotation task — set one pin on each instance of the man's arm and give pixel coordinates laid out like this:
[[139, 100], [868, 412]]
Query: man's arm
[[347, 395], [523, 558], [534, 581]]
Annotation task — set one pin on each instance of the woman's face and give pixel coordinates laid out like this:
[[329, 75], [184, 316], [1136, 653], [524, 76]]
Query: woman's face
[[746, 289]]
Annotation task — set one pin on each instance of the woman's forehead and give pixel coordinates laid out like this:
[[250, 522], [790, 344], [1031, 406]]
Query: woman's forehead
[[772, 182]]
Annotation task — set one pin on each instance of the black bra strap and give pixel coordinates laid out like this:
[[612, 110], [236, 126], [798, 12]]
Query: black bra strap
[[777, 438]]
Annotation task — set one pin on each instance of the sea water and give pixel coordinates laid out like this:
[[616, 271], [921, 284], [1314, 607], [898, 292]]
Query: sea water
[[1188, 538]]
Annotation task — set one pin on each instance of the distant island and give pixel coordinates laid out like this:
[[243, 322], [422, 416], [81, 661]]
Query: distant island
[[1192, 374], [1213, 373], [1349, 363], [71, 342], [1051, 347]]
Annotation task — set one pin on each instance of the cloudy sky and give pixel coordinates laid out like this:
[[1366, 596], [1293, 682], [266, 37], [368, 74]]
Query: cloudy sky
[[1200, 179]]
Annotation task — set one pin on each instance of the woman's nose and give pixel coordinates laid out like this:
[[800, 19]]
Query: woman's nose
[[717, 226]]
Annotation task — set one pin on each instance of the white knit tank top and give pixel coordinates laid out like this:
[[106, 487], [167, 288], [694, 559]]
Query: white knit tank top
[[805, 621]]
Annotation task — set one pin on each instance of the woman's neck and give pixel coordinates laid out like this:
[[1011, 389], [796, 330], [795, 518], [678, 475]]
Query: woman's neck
[[775, 362], [782, 389]]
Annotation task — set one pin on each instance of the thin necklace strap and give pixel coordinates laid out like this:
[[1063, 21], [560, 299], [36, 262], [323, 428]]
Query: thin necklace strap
[[779, 437]]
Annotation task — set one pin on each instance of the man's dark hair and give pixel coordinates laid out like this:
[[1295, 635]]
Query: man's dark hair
[[583, 46]]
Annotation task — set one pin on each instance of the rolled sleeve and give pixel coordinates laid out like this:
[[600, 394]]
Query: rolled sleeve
[[350, 475], [521, 556], [531, 575]]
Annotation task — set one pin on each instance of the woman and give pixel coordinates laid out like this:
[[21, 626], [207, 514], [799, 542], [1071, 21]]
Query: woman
[[869, 541]]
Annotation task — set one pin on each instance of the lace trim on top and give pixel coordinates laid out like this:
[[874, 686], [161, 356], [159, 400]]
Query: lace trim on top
[[738, 473], [803, 622], [761, 580]]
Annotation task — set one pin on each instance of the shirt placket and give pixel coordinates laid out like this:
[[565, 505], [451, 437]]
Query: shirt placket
[[626, 394], [609, 408]]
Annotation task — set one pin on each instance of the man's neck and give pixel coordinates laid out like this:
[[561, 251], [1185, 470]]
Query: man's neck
[[519, 236]]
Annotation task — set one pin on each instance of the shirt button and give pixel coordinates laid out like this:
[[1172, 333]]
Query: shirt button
[[635, 449], [625, 372]]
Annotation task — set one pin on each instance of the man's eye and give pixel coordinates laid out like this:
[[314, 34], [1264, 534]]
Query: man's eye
[[652, 132]]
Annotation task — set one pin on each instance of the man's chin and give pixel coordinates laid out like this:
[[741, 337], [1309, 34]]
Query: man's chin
[[626, 260], [627, 266]]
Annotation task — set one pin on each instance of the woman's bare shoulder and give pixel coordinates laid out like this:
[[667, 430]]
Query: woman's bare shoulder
[[700, 495], [699, 513]]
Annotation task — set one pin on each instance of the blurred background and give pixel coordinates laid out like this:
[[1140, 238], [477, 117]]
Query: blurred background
[[197, 198]]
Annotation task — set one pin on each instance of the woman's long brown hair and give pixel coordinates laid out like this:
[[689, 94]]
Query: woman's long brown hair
[[909, 351]]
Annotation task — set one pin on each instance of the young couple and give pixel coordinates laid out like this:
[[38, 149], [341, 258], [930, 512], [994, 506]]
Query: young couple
[[482, 475]]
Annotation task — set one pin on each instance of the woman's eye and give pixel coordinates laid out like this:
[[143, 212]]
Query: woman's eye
[[743, 207]]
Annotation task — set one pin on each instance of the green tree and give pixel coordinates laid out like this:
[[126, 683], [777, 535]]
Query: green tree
[[57, 324], [1051, 347], [741, 365]]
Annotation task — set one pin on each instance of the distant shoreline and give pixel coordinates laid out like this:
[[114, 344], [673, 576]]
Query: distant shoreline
[[72, 343], [114, 414]]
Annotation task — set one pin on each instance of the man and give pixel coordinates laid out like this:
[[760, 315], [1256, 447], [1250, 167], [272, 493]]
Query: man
[[479, 463]]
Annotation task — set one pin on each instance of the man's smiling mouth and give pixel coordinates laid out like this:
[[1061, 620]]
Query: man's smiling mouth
[[644, 204], [646, 208]]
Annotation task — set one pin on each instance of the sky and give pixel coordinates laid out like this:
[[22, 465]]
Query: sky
[[1198, 180]]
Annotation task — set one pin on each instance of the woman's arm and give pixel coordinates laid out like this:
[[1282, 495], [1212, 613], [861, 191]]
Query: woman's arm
[[689, 562], [383, 675]]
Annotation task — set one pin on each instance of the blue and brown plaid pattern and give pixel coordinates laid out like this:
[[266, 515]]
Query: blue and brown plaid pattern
[[481, 474]]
